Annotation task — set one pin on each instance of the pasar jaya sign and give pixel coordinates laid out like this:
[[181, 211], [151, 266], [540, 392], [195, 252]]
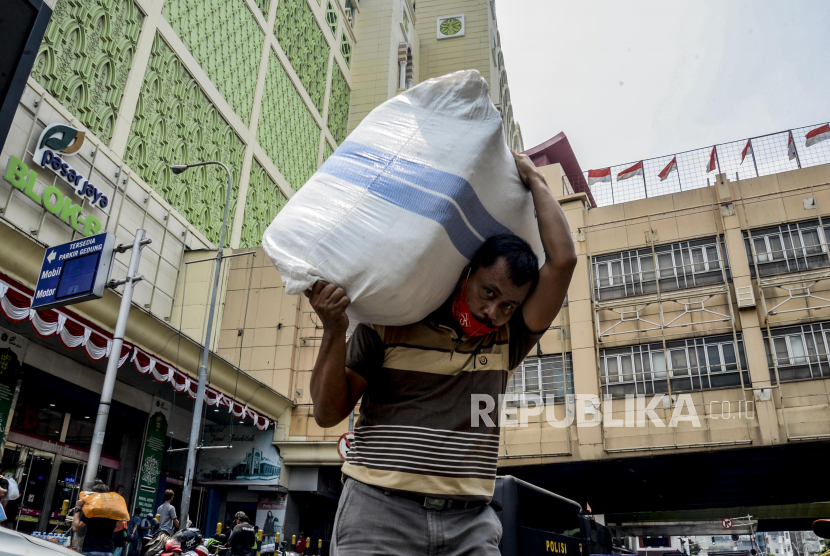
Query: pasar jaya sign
[[56, 142]]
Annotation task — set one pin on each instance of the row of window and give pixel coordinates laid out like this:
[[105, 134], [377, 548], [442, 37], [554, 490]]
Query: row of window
[[801, 352], [687, 264]]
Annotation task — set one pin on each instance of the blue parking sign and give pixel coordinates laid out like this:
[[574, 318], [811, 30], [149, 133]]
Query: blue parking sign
[[74, 272]]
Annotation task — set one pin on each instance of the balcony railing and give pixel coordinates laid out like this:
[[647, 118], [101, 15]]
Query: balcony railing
[[769, 154]]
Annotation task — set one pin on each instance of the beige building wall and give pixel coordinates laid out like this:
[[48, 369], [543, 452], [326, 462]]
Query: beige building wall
[[381, 28]]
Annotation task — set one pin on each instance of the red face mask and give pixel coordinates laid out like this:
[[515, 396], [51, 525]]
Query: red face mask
[[471, 326]]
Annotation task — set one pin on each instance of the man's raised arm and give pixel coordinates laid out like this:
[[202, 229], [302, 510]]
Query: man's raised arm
[[544, 303], [334, 388]]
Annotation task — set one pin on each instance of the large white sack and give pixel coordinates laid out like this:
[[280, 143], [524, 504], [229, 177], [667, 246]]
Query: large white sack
[[400, 208]]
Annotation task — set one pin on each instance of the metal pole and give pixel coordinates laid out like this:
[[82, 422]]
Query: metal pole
[[195, 428], [677, 169], [795, 150], [644, 178], [752, 151], [115, 355]]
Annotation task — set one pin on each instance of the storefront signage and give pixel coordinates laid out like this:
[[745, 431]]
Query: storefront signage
[[251, 458], [12, 349], [73, 272], [61, 448], [55, 144], [270, 515], [152, 456], [52, 199], [58, 140]]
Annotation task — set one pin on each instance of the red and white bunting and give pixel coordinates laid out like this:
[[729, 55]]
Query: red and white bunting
[[631, 171], [818, 135], [599, 176], [671, 167], [791, 152], [712, 165], [747, 150], [73, 333]]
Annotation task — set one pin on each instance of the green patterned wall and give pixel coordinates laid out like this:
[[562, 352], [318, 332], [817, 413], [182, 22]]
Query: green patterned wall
[[338, 116], [263, 6], [175, 123], [303, 42], [226, 40], [286, 130], [327, 151], [85, 57], [262, 203]]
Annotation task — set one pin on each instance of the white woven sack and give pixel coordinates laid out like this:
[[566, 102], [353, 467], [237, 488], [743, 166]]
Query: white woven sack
[[400, 208]]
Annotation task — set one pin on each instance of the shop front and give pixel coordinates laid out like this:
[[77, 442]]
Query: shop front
[[47, 445]]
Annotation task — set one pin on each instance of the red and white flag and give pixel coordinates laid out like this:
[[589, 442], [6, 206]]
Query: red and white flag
[[818, 135], [672, 167], [747, 150], [712, 165], [600, 176], [791, 147], [636, 170]]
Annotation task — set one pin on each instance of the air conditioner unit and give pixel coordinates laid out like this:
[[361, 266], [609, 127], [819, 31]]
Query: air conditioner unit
[[746, 297]]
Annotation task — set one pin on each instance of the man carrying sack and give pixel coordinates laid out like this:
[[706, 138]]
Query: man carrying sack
[[98, 513], [420, 473]]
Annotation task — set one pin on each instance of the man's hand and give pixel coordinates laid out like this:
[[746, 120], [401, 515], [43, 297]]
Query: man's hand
[[527, 170], [80, 503], [330, 303]]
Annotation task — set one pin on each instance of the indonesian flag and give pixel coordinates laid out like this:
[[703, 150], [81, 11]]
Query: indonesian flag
[[600, 176], [713, 161], [818, 135], [747, 150], [672, 167], [791, 147], [636, 170]]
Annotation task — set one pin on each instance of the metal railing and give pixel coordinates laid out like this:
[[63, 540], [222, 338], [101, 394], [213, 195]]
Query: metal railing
[[769, 154]]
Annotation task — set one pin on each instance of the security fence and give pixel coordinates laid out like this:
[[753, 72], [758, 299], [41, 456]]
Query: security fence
[[746, 158]]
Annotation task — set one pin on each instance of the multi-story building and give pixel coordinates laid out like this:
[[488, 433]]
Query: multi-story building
[[269, 87]]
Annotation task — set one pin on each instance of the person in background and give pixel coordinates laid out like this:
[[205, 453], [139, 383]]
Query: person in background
[[133, 533], [99, 530], [242, 537], [168, 521], [300, 546], [119, 538], [144, 529]]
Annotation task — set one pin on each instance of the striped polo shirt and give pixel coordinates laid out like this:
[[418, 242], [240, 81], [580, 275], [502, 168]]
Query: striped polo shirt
[[414, 432]]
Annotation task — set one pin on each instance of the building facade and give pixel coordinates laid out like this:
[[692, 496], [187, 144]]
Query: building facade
[[269, 87]]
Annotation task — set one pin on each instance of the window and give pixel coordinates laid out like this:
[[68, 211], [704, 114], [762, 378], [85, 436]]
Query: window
[[693, 364], [788, 248], [800, 351], [681, 265], [346, 50], [541, 376]]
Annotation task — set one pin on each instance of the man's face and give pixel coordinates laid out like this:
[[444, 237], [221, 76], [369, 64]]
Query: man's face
[[492, 295]]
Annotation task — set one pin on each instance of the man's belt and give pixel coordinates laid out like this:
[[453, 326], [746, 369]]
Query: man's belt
[[434, 503]]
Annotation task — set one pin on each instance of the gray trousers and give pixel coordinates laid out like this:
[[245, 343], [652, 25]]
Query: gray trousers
[[370, 522]]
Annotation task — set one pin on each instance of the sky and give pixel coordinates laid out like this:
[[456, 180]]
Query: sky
[[627, 80]]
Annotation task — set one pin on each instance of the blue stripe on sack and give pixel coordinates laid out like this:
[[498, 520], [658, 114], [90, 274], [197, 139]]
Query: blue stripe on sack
[[429, 178], [409, 198], [399, 168]]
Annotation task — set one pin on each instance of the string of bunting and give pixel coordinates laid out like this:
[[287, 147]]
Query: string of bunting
[[73, 332]]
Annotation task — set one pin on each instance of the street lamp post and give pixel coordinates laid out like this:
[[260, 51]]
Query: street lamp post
[[196, 425]]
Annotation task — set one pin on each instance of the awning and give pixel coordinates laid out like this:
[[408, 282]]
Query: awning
[[75, 331]]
